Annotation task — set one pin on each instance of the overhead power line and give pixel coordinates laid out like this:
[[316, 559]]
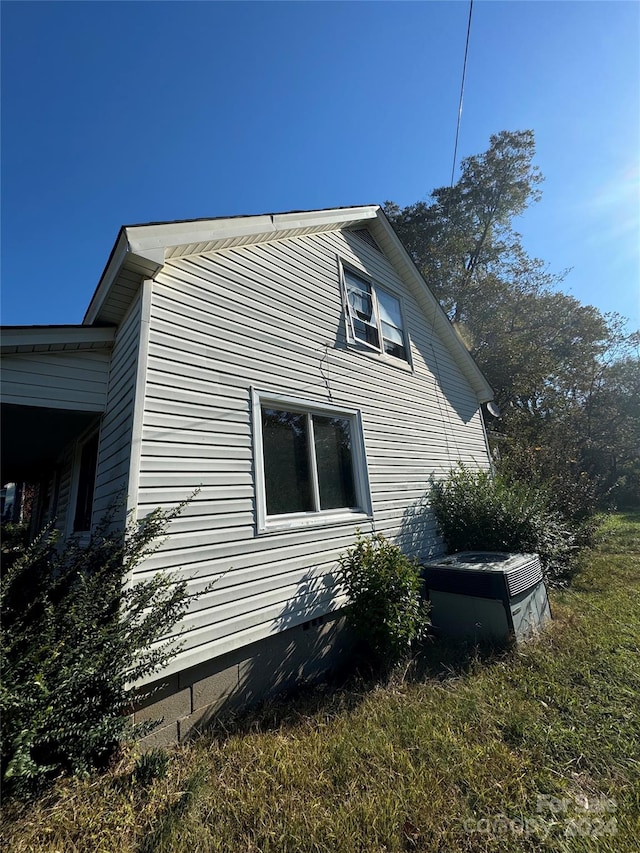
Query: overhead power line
[[464, 74]]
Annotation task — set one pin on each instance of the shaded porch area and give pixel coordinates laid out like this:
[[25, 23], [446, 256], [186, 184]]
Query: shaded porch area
[[53, 395]]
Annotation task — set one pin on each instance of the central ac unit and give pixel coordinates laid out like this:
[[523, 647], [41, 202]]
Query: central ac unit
[[486, 595]]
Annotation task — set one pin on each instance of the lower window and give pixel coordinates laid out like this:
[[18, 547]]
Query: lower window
[[309, 463], [86, 484]]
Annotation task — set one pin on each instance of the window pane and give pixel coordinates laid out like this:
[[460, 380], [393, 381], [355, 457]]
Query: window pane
[[361, 309], [285, 444], [397, 350], [358, 288], [391, 322], [389, 308], [86, 485], [391, 333], [361, 304], [334, 462], [367, 333]]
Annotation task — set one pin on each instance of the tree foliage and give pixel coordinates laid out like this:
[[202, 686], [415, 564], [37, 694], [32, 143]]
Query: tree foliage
[[564, 373]]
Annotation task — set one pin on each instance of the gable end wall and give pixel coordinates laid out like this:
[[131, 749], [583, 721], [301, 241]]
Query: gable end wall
[[270, 316]]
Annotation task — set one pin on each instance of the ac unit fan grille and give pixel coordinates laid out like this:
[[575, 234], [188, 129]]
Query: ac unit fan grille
[[484, 572], [523, 577]]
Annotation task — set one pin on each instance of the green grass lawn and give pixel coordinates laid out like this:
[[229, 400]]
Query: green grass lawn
[[534, 749]]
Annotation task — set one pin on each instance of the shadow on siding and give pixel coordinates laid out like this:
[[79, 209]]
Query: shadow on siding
[[418, 536]]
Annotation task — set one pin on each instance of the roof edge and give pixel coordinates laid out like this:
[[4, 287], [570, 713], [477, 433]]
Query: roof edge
[[18, 336], [168, 235], [441, 322], [145, 247]]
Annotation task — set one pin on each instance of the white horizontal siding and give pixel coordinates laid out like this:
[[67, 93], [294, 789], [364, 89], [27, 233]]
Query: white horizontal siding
[[270, 316], [57, 380], [114, 451]]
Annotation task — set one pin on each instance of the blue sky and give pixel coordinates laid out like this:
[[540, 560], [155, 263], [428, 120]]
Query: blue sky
[[124, 112]]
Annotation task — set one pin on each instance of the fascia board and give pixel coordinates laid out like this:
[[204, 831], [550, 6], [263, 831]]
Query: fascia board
[[19, 336], [169, 235], [396, 252], [114, 264], [316, 219], [152, 259]]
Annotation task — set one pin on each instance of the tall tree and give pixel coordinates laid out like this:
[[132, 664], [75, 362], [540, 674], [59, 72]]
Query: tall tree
[[458, 238], [557, 366]]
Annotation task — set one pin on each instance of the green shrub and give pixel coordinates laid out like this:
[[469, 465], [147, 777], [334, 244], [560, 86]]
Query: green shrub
[[570, 490], [73, 637], [385, 606], [477, 511], [15, 538]]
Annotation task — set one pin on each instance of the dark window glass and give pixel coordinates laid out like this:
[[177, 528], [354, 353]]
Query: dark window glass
[[334, 461], [361, 309], [86, 485], [287, 478], [394, 348], [365, 332]]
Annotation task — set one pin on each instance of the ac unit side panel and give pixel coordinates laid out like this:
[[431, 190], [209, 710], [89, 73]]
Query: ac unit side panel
[[524, 576], [466, 616], [484, 573], [530, 611]]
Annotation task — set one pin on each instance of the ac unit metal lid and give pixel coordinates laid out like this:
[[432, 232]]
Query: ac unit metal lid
[[521, 571]]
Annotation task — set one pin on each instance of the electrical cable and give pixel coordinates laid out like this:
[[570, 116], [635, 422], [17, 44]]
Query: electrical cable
[[464, 74], [446, 413]]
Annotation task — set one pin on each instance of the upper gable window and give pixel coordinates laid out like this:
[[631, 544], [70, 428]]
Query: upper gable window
[[374, 316]]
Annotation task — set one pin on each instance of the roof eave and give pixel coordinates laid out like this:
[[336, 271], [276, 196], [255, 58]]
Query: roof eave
[[170, 235], [143, 248], [14, 338], [146, 263]]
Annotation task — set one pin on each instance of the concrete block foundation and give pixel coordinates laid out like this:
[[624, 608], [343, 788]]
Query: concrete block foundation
[[189, 700]]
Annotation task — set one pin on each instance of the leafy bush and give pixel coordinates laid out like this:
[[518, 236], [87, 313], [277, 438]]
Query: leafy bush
[[73, 637], [569, 488], [477, 511], [385, 603], [15, 538]]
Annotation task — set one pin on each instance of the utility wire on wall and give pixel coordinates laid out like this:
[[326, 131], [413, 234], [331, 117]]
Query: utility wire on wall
[[464, 74]]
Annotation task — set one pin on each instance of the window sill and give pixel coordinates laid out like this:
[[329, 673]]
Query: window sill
[[392, 361], [302, 521]]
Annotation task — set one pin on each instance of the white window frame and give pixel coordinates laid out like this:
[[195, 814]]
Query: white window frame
[[352, 338], [316, 518], [81, 535]]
